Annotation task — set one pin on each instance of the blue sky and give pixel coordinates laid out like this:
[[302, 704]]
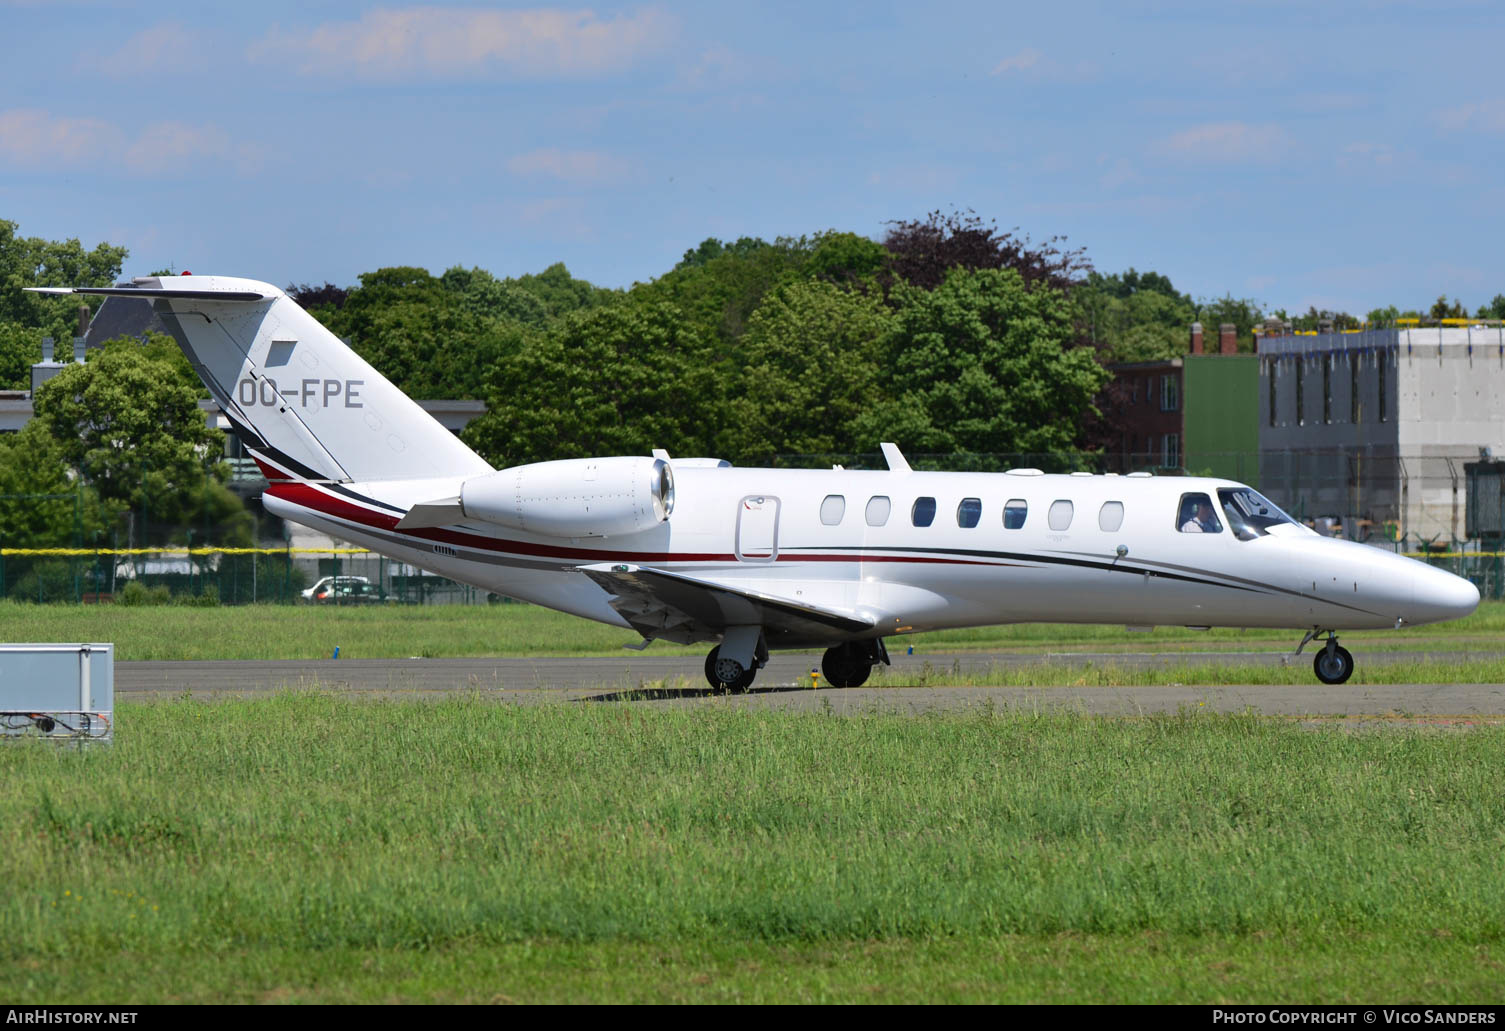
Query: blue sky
[[1340, 155]]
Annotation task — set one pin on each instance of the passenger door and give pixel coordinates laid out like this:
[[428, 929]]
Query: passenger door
[[757, 528]]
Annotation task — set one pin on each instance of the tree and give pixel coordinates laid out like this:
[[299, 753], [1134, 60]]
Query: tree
[[129, 425], [1135, 316], [20, 349], [1441, 309], [983, 363], [809, 361], [32, 467], [311, 297], [1495, 309], [31, 261], [1242, 312], [922, 253], [617, 380], [720, 293]]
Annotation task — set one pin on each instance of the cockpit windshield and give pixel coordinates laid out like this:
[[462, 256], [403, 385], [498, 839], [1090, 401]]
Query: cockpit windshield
[[1250, 514]]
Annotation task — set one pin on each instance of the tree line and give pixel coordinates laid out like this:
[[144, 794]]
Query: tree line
[[948, 335]]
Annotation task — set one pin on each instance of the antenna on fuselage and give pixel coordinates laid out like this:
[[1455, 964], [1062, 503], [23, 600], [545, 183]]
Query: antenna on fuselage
[[895, 459]]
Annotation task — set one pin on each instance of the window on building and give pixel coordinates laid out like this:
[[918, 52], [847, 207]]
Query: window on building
[[1171, 456], [1274, 368], [1382, 365], [1014, 513], [923, 512], [832, 509], [1327, 389], [1300, 398], [1170, 394], [1059, 516], [1196, 515], [1111, 516], [1355, 409], [969, 513], [877, 510]]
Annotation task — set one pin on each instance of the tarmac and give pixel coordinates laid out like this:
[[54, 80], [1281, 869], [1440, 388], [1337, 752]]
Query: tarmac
[[786, 683]]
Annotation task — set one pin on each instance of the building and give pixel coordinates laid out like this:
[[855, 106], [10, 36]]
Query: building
[[1194, 414], [1380, 431]]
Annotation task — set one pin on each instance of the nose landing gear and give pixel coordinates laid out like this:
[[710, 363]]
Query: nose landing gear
[[1334, 663]]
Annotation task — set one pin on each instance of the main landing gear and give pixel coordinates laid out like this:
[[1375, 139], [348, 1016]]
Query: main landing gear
[[850, 664], [1333, 664]]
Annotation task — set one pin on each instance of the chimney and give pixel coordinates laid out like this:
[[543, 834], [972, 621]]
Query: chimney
[[47, 349], [1227, 339], [83, 321], [1196, 338]]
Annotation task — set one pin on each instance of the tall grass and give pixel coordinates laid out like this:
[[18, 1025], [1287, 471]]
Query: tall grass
[[307, 821]]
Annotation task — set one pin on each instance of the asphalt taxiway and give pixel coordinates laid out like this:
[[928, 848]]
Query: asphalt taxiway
[[786, 683]]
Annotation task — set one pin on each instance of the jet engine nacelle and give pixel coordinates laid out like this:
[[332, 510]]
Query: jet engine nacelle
[[578, 497]]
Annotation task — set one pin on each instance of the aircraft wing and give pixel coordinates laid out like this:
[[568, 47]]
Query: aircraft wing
[[685, 609]]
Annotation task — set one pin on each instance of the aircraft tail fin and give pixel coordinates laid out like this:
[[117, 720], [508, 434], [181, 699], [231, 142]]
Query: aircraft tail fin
[[306, 405]]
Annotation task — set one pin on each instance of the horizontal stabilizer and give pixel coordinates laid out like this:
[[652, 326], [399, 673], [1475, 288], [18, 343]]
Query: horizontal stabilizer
[[676, 607], [151, 293], [443, 512]]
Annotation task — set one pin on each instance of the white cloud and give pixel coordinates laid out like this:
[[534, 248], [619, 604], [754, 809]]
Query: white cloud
[[1488, 116], [1228, 142], [33, 138], [167, 46], [1022, 61], [576, 166], [450, 42]]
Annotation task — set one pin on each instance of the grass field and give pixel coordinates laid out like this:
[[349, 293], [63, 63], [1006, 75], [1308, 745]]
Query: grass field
[[311, 632], [314, 848]]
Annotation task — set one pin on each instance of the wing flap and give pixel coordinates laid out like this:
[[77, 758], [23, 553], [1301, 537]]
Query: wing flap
[[684, 609]]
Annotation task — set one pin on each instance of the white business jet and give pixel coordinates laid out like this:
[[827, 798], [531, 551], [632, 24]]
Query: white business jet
[[756, 559]]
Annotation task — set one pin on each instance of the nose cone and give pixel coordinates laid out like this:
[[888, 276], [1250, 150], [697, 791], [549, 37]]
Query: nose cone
[[1439, 595]]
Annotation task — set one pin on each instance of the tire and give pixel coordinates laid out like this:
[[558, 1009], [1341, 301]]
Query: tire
[[1334, 668], [842, 669], [729, 675]]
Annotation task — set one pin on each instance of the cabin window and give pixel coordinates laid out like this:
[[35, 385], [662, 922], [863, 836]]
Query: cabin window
[[923, 512], [832, 509], [1014, 513], [969, 513], [1196, 515], [877, 510], [1059, 517], [1111, 516]]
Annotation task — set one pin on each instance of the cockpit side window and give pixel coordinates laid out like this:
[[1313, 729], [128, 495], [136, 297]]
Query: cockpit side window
[[1196, 515]]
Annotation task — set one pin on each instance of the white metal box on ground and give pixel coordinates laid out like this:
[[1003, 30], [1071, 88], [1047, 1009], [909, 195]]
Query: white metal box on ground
[[64, 691]]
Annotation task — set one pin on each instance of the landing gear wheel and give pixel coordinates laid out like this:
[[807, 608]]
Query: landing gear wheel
[[727, 674], [1333, 665], [843, 669]]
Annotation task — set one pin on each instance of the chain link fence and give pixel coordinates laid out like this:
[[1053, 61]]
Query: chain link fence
[[1447, 509]]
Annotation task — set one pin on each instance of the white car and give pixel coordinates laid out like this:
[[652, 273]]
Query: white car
[[343, 590]]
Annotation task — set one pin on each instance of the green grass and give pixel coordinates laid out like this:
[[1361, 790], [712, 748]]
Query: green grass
[[311, 847], [1116, 674], [445, 631]]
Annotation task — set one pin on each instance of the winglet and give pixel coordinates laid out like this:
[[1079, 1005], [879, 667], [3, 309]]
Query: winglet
[[895, 458]]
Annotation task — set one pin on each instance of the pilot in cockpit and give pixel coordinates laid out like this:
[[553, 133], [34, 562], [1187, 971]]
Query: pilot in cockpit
[[1196, 515]]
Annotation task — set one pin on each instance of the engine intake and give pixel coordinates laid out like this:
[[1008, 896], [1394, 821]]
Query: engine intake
[[577, 497]]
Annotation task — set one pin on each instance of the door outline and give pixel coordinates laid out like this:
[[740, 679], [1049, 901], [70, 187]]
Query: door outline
[[742, 510]]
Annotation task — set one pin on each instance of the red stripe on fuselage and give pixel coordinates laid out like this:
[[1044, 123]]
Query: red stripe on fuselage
[[311, 497]]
